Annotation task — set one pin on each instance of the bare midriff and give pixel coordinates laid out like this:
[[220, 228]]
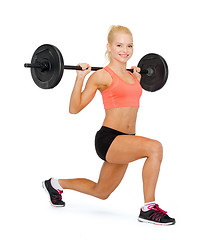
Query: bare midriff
[[121, 119]]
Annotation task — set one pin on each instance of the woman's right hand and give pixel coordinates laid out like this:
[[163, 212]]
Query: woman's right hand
[[86, 68]]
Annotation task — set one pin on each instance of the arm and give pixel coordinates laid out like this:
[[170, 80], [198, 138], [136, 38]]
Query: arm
[[80, 100]]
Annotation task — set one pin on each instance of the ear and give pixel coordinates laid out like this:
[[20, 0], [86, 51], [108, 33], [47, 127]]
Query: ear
[[108, 47]]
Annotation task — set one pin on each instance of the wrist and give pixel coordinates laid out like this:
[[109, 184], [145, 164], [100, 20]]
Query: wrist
[[80, 78]]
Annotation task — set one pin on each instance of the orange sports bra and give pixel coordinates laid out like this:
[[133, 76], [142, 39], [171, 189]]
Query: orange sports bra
[[120, 93]]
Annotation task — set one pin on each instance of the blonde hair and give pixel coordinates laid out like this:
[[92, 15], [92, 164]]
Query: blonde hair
[[115, 29]]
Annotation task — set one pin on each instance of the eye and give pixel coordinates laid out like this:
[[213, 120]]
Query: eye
[[130, 46], [118, 45]]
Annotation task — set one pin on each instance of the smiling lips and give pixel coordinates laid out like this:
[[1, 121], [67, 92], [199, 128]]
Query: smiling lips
[[124, 55]]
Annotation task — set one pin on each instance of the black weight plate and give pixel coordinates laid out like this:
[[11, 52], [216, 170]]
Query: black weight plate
[[156, 80], [49, 78]]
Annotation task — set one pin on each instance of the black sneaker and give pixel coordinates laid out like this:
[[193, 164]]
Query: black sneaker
[[156, 216], [54, 195]]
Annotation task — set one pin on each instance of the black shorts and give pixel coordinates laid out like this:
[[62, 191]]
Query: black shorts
[[103, 140]]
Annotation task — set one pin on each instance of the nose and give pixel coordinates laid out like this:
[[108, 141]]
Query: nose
[[125, 49]]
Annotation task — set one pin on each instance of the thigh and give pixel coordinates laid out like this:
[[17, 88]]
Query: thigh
[[110, 177], [127, 148]]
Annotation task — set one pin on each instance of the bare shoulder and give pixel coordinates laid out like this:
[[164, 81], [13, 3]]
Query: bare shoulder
[[100, 74], [102, 78]]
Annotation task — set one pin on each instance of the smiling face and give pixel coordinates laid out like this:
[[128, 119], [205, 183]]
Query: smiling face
[[121, 47]]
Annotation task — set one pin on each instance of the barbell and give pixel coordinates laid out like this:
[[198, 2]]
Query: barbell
[[47, 67]]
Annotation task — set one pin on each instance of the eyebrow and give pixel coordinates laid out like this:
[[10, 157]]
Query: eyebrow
[[122, 43]]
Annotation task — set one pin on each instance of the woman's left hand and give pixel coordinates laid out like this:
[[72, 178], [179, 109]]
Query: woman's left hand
[[136, 72]]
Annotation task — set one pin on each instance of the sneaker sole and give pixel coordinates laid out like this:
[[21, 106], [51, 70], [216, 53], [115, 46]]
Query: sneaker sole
[[155, 223], [45, 188]]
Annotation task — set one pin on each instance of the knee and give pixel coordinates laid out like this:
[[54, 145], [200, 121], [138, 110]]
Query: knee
[[155, 149], [158, 148], [103, 196]]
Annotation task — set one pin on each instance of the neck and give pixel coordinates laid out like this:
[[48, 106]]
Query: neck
[[117, 66]]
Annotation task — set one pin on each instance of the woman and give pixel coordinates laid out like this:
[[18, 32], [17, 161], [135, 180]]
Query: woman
[[115, 142]]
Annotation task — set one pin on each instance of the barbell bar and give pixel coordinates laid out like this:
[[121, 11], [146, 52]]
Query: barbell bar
[[47, 66]]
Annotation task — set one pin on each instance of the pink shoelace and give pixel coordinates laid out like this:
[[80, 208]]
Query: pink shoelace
[[157, 208], [59, 191], [55, 198]]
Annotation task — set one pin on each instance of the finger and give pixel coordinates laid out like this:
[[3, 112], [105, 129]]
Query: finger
[[80, 65], [88, 67], [134, 69], [84, 66]]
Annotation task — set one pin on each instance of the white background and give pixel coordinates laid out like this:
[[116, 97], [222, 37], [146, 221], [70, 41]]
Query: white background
[[40, 139]]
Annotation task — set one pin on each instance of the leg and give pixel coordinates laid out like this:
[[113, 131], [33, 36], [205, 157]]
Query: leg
[[125, 149], [109, 179]]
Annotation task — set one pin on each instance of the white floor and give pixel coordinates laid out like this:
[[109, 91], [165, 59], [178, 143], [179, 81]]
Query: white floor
[[28, 215]]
